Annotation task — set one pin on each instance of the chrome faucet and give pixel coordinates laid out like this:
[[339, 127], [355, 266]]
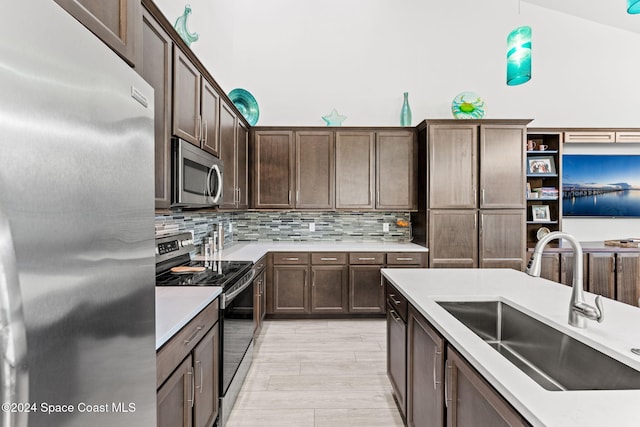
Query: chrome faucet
[[578, 308]]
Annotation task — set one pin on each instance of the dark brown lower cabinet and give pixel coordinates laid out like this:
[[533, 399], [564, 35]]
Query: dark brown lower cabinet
[[328, 289], [187, 370], [615, 275], [397, 348], [366, 293], [174, 407], [425, 372], [471, 401], [289, 289]]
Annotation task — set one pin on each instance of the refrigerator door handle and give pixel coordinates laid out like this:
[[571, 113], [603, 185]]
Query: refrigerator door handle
[[13, 339]]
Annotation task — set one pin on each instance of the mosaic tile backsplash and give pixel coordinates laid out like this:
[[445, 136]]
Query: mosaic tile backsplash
[[289, 226]]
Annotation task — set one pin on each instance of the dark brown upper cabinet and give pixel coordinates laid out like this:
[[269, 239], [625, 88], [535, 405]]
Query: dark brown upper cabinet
[[273, 169], [157, 71], [115, 22], [195, 105], [234, 145], [355, 170], [315, 174], [396, 170]]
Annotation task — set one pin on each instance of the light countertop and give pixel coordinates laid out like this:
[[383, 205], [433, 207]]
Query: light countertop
[[177, 305], [253, 251], [547, 302]]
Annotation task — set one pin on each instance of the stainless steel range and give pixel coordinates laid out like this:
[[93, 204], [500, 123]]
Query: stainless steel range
[[174, 267]]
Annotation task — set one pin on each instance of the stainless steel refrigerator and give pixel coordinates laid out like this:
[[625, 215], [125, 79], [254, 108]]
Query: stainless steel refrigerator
[[76, 227]]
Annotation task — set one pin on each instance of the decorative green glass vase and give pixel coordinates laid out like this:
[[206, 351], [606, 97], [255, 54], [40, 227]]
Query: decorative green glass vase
[[405, 113], [181, 27]]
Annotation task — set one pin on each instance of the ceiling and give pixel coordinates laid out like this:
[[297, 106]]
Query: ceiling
[[607, 12]]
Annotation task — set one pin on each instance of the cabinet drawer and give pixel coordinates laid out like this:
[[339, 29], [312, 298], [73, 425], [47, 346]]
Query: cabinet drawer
[[589, 136], [260, 265], [397, 302], [413, 258], [329, 258], [290, 258], [181, 344], [366, 258]]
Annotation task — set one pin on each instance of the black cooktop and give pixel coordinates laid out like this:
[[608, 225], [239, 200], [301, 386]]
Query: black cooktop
[[216, 273]]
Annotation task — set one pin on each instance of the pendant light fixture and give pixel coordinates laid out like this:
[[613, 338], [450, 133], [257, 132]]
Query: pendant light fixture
[[633, 6], [519, 56]]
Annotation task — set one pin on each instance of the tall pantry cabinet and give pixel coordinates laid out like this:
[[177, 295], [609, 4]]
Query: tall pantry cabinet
[[472, 184]]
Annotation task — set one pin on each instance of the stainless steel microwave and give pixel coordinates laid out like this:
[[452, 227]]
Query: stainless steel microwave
[[197, 176]]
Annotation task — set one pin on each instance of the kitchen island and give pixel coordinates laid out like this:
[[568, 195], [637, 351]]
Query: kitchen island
[[548, 303]]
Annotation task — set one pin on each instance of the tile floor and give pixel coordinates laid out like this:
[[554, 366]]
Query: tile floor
[[318, 373]]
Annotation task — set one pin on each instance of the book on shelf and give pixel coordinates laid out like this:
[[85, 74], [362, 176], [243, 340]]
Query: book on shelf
[[545, 193]]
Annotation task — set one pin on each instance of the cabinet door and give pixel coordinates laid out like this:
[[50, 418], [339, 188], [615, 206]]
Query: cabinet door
[[397, 357], [566, 269], [175, 397], [425, 373], [355, 157], [601, 278], [315, 175], [329, 291], [273, 167], [186, 98], [156, 70], [115, 22], [551, 267], [453, 166], [396, 172], [472, 402], [209, 110], [206, 376], [453, 239], [589, 136], [502, 239], [502, 166], [366, 293], [227, 153], [628, 278], [242, 164], [290, 291]]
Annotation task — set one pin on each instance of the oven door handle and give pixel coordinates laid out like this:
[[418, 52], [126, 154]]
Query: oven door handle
[[230, 296]]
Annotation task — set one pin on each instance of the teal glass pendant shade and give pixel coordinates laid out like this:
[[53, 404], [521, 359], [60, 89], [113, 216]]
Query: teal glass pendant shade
[[633, 6], [405, 113], [519, 56]]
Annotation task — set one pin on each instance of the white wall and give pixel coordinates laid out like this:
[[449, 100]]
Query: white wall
[[301, 58]]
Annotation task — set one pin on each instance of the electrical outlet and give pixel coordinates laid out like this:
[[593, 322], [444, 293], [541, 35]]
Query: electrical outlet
[[230, 228], [385, 227], [312, 226]]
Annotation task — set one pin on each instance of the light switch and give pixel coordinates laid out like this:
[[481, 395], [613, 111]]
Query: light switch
[[385, 227], [312, 226]]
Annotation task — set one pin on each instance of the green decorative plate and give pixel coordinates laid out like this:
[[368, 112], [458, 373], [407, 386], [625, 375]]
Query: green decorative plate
[[246, 104]]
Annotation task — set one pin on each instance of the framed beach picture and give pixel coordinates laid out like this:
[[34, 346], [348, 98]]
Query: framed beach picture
[[543, 165], [540, 213]]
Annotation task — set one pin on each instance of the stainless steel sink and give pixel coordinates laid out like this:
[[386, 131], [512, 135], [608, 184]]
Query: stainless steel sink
[[553, 359]]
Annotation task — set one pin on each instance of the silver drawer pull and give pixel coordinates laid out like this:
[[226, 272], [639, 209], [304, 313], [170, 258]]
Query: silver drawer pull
[[328, 259], [188, 340], [291, 259], [395, 301], [366, 259], [404, 259]]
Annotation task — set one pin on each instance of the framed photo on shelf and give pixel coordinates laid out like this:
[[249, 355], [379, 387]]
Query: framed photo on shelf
[[542, 165], [540, 213]]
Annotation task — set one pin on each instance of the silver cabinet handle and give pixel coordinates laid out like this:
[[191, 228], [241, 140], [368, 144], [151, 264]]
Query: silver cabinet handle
[[328, 259], [193, 387], [192, 337], [13, 351], [291, 259], [313, 278], [394, 315], [447, 379], [366, 259], [199, 387], [404, 259], [198, 127], [395, 301], [205, 132], [289, 202], [436, 353]]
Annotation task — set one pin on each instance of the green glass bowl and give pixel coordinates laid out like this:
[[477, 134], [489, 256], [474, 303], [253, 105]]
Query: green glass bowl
[[246, 104]]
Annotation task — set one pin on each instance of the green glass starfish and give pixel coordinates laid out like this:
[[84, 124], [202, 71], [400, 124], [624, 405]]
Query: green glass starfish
[[334, 119]]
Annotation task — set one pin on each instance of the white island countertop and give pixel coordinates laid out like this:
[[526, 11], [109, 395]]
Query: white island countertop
[[253, 251], [547, 302], [177, 305]]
